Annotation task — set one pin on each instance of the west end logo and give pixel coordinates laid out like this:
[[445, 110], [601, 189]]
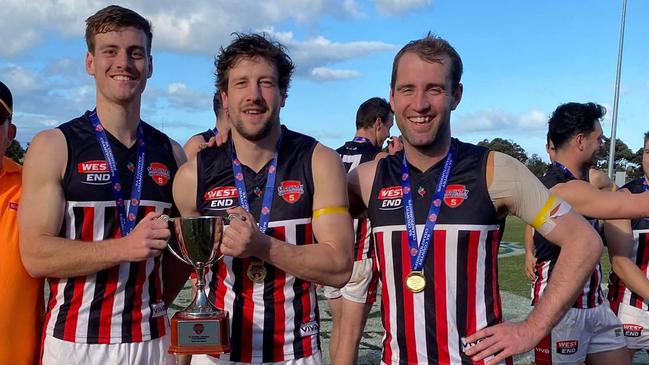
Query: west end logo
[[94, 172], [291, 191], [390, 198], [159, 173], [221, 197]]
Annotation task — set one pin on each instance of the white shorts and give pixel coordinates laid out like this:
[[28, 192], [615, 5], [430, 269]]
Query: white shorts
[[635, 322], [581, 332], [315, 359], [361, 287], [57, 352]]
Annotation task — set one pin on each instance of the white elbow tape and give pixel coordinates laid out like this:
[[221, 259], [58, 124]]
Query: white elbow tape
[[552, 209]]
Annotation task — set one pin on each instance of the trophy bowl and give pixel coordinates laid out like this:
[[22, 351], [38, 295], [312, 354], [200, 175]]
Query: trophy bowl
[[201, 328]]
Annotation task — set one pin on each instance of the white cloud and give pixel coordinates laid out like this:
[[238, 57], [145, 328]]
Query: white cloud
[[496, 120], [328, 74], [180, 96], [400, 7]]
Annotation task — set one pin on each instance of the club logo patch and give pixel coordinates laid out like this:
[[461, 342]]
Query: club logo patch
[[222, 197], [198, 328], [94, 172], [159, 173], [567, 347], [455, 195], [390, 197], [290, 191], [632, 330]]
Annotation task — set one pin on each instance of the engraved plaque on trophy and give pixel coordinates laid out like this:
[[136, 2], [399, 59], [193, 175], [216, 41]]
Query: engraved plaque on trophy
[[201, 328]]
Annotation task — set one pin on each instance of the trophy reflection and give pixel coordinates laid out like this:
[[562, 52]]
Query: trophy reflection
[[200, 328]]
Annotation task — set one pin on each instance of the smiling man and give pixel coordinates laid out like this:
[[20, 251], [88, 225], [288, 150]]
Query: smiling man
[[289, 193], [93, 188], [437, 211]]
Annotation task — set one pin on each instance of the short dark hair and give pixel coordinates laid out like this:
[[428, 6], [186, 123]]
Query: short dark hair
[[431, 48], [6, 103], [217, 103], [112, 18], [646, 138], [370, 110], [570, 119], [251, 46]]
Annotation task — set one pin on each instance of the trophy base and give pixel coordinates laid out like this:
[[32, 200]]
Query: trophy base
[[205, 335]]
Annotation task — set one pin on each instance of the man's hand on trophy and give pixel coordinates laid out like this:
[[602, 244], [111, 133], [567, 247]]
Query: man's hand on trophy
[[242, 238], [148, 239]]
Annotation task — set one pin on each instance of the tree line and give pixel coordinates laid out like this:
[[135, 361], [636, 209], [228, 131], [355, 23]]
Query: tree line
[[625, 159]]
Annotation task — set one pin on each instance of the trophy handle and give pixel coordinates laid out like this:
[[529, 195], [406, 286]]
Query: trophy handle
[[166, 218]]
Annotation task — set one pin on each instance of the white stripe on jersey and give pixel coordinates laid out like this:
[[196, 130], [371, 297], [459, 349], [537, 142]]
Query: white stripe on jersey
[[634, 257], [390, 290]]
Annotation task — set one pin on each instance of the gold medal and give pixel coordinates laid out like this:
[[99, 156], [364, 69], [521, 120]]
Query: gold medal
[[257, 272], [415, 281]]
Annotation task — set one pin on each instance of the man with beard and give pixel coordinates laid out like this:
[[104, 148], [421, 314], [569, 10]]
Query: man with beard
[[293, 187], [589, 331], [628, 247], [440, 297]]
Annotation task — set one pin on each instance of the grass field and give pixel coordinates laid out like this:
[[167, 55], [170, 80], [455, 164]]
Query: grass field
[[511, 269]]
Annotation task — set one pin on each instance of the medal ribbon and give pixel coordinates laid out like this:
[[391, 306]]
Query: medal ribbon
[[361, 140], [215, 131], [565, 170], [126, 221], [645, 186], [418, 250], [240, 184]]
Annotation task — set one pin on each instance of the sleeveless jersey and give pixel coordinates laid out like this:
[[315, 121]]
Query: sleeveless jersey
[[276, 320], [461, 268], [353, 154], [123, 303], [207, 134], [547, 254], [617, 290]]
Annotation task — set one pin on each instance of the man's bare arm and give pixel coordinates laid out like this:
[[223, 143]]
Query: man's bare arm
[[530, 252], [174, 271], [41, 215], [328, 262], [592, 202], [581, 249], [619, 239]]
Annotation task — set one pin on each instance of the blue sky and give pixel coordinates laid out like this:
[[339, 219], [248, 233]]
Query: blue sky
[[521, 60]]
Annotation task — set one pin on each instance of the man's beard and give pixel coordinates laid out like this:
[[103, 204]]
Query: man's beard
[[261, 134]]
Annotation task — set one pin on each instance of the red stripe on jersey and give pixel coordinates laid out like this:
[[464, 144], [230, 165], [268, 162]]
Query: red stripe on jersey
[[408, 303], [306, 310], [51, 303], [385, 300], [136, 319], [538, 283], [247, 314], [105, 316], [471, 276], [494, 274], [70, 326], [221, 273], [278, 297], [87, 227], [643, 267], [543, 351], [361, 239], [439, 280], [157, 280]]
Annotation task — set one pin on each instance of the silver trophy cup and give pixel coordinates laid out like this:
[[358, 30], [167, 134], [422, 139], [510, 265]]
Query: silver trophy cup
[[201, 328]]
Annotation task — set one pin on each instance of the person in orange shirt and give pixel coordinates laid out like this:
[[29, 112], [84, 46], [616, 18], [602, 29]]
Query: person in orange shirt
[[21, 307]]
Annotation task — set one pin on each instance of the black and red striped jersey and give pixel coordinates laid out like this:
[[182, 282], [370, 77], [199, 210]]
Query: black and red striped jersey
[[354, 153], [618, 292], [547, 254], [461, 295], [276, 320], [123, 303]]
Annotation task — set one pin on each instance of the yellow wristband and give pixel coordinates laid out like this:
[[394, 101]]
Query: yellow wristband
[[542, 216], [330, 210]]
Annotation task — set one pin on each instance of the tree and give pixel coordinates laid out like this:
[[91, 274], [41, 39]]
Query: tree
[[623, 155], [536, 165], [506, 146], [15, 152]]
